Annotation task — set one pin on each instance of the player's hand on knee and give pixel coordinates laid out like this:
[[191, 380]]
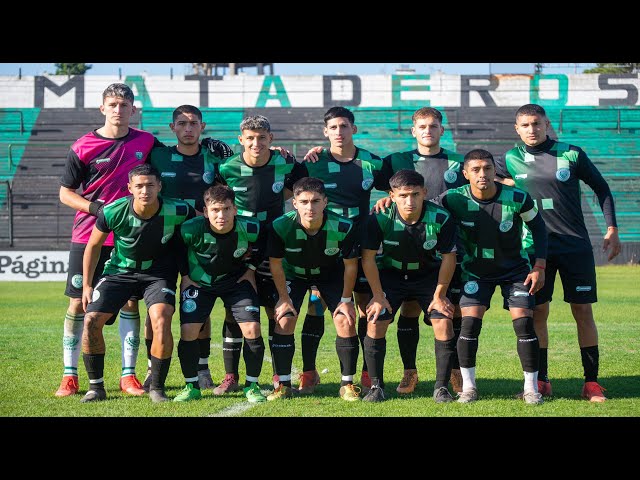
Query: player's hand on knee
[[87, 294], [442, 305]]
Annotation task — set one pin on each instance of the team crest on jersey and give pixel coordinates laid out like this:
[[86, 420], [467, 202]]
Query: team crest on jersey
[[506, 226], [76, 281], [471, 287], [450, 176], [563, 174], [207, 177], [139, 155], [429, 244], [277, 187], [239, 252], [366, 183], [166, 238], [331, 251], [188, 305]]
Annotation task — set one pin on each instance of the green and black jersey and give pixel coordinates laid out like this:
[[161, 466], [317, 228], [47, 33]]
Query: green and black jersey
[[312, 256], [441, 171], [260, 190], [212, 256], [410, 248], [551, 173], [491, 231], [348, 184], [143, 244], [184, 176]]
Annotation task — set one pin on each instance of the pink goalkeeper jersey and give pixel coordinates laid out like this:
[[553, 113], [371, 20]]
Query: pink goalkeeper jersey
[[101, 167]]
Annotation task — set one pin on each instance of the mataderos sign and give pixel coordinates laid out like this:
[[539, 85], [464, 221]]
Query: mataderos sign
[[34, 266]]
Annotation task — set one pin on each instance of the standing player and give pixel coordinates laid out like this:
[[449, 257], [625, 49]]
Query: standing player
[[217, 246], [551, 172], [412, 234], [312, 246], [187, 170], [441, 169], [261, 179], [490, 218], [145, 229], [99, 162], [349, 174]]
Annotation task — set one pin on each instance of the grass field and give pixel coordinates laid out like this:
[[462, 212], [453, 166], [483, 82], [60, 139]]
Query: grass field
[[31, 320]]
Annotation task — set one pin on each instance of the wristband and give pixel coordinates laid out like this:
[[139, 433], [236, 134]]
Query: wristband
[[345, 299], [539, 266], [94, 208]]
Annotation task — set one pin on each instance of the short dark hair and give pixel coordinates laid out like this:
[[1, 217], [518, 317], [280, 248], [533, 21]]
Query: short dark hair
[[478, 154], [427, 112], [219, 193], [531, 109], [118, 90], [144, 169], [406, 178], [339, 112], [187, 109], [309, 184], [255, 122]]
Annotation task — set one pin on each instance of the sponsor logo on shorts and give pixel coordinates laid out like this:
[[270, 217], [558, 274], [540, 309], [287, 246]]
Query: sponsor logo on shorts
[[208, 177], [76, 281], [168, 174], [450, 176], [506, 226], [468, 224], [583, 288], [455, 290], [188, 306], [391, 242], [366, 183], [277, 187], [520, 293], [429, 244], [239, 252], [190, 293], [331, 251], [251, 308], [563, 174], [471, 287]]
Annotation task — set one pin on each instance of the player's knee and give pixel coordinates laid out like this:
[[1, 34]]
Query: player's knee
[[523, 327], [470, 328]]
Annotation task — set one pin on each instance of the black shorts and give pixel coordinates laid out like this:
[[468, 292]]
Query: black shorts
[[267, 293], [74, 275], [196, 303], [362, 284], [578, 276], [330, 290], [455, 287], [399, 286], [514, 292], [112, 291]]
